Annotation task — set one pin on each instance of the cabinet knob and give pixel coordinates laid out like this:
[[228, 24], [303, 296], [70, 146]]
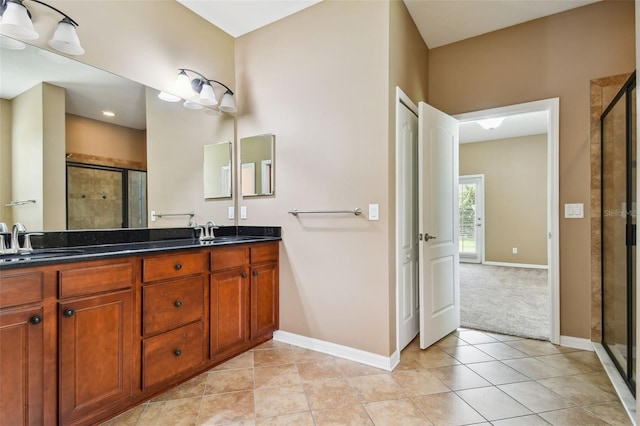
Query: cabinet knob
[[244, 275], [255, 273], [177, 352], [177, 303], [36, 319], [178, 266], [68, 312]]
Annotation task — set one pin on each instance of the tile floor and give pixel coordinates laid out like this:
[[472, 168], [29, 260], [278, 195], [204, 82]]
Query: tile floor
[[469, 377]]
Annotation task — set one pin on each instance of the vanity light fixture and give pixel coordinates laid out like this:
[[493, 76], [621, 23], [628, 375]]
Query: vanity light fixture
[[109, 114], [186, 87], [491, 123], [15, 21]]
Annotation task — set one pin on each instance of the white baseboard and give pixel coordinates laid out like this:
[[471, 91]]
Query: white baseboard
[[576, 343], [340, 351], [517, 265]]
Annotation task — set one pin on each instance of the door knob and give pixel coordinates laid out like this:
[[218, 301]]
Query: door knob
[[428, 237]]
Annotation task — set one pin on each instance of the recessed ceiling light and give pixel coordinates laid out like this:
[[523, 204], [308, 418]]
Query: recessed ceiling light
[[491, 123], [108, 113]]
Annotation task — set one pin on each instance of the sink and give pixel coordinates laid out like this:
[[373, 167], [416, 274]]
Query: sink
[[41, 254]]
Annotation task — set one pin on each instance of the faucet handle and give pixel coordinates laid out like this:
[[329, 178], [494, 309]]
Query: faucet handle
[[3, 227], [26, 244]]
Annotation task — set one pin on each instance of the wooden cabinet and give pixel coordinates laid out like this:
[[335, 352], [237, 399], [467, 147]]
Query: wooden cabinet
[[21, 348], [264, 299], [95, 340], [228, 312]]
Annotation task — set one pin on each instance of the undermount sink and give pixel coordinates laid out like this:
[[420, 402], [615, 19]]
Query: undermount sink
[[41, 254]]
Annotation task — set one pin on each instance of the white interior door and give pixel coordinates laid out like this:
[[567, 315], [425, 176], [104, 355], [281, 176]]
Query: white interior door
[[407, 223], [438, 224]]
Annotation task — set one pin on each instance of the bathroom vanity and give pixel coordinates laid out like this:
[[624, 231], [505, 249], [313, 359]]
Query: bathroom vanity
[[88, 331]]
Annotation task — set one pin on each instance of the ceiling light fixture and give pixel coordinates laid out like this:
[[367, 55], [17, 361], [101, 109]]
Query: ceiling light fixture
[[491, 123], [186, 88], [15, 21], [109, 113]]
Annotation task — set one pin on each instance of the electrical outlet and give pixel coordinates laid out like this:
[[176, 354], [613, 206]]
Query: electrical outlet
[[514, 250], [243, 212], [373, 212], [231, 214]]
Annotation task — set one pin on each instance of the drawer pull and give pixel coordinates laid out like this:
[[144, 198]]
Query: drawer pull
[[177, 303], [177, 352], [255, 273], [178, 266], [68, 312], [36, 319], [244, 275]]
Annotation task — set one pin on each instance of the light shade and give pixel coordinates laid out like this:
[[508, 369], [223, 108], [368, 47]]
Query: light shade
[[65, 39], [227, 104], [11, 44], [183, 85], [192, 105], [207, 96], [491, 123], [16, 22], [168, 97]]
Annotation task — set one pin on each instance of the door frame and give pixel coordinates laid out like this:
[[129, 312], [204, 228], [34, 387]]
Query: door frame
[[552, 108], [480, 238], [401, 98]]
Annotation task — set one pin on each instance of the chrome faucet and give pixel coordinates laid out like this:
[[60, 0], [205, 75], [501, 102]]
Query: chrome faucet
[[206, 231], [12, 246]]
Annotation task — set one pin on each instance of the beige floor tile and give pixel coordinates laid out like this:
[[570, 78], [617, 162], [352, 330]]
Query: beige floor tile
[[277, 375], [573, 362], [599, 380], [226, 408], [535, 397], [497, 373], [376, 387], [272, 344], [503, 337], [414, 345], [532, 420], [492, 403], [128, 418], [177, 412], [396, 412], [435, 357], [447, 409], [533, 368], [418, 382], [275, 356], [613, 412], [500, 351], [318, 370], [468, 354], [278, 401], [244, 360], [330, 393], [474, 337], [302, 354], [576, 390], [459, 377], [229, 381], [352, 368], [535, 347], [409, 361], [189, 389], [448, 341], [572, 416], [298, 419], [352, 415]]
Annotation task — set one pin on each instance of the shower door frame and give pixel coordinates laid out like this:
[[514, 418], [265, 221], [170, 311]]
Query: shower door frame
[[626, 90]]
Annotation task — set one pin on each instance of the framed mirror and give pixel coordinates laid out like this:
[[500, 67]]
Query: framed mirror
[[257, 160], [217, 170]]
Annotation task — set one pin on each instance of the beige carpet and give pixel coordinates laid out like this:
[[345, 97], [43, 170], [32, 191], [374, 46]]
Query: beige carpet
[[505, 300]]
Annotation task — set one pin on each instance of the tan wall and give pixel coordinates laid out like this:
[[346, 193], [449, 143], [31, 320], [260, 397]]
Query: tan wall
[[6, 213], [93, 137], [550, 57], [515, 196]]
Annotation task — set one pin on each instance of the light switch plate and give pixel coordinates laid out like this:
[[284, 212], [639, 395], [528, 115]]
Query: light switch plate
[[374, 212], [243, 212], [574, 211], [231, 213]]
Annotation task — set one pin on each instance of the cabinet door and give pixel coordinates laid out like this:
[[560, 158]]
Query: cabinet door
[[95, 354], [21, 367], [264, 299], [229, 309]]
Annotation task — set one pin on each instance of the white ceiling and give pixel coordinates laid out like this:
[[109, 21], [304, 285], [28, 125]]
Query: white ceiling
[[532, 123]]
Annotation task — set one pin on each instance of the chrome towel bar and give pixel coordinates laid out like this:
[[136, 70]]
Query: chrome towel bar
[[155, 215], [20, 203], [357, 211]]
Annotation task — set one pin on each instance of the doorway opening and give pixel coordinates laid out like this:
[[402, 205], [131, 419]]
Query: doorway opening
[[471, 200]]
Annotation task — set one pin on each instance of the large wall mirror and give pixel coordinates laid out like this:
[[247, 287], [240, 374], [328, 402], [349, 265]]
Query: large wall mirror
[[217, 170], [52, 117], [257, 158]]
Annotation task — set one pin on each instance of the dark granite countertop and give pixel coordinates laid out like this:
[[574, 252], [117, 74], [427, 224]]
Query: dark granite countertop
[[76, 246]]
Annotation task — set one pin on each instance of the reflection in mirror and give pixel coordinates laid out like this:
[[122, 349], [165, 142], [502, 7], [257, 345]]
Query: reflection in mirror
[[258, 166], [217, 170]]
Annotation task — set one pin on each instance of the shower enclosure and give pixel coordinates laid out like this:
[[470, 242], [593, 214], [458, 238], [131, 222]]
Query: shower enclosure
[[619, 216]]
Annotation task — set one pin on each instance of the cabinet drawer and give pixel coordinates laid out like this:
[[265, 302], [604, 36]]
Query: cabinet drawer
[[171, 304], [172, 353], [228, 258], [264, 253], [172, 266], [95, 279], [20, 288]]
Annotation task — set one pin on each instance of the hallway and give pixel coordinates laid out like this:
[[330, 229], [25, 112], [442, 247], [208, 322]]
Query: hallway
[[469, 377]]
